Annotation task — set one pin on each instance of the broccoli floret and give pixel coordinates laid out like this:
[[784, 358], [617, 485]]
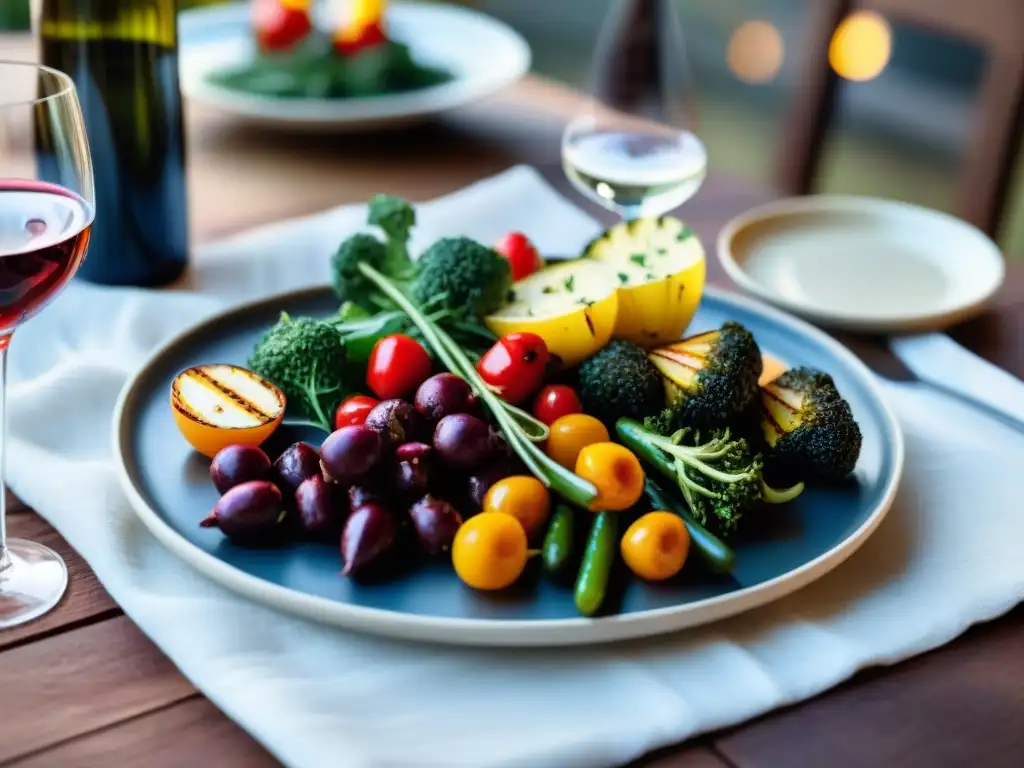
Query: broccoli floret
[[712, 378], [461, 275], [350, 285], [809, 428], [721, 479], [306, 359], [396, 218], [619, 381]]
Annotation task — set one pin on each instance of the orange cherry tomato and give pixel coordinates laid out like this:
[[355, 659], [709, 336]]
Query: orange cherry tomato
[[353, 410], [555, 401], [656, 546], [522, 496], [571, 434], [615, 471], [490, 551], [398, 365]]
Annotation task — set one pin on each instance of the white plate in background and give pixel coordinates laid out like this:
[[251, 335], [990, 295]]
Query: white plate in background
[[483, 54], [862, 264]]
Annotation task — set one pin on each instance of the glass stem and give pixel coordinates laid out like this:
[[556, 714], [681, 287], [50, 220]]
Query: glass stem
[[5, 560]]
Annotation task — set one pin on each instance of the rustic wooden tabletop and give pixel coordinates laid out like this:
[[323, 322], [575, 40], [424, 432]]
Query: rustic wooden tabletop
[[84, 687]]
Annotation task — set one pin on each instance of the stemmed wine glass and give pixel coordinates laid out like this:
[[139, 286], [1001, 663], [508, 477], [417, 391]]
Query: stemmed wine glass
[[46, 212], [631, 147]]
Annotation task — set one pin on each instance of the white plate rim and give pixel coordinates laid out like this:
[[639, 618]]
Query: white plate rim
[[355, 112], [508, 633], [825, 203]]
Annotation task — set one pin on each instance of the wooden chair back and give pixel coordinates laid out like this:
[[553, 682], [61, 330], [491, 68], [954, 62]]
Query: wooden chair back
[[995, 138]]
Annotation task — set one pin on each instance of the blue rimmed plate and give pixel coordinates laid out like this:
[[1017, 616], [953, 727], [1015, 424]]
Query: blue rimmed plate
[[169, 487]]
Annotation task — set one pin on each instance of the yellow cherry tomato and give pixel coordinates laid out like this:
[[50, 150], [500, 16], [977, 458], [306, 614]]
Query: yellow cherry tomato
[[522, 496], [655, 547], [489, 551], [615, 471], [571, 434]]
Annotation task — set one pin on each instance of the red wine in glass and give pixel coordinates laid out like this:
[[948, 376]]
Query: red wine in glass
[[44, 234]]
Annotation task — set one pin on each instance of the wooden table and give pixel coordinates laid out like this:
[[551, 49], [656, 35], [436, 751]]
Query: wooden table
[[84, 687]]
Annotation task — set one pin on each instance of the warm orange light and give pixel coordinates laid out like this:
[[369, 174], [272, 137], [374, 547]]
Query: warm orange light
[[755, 51], [861, 46], [297, 5]]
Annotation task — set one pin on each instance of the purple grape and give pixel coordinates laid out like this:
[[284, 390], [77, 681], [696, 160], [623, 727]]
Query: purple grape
[[443, 395], [396, 421], [237, 464], [463, 441], [360, 495], [248, 513], [299, 462], [350, 454], [321, 508], [369, 533], [436, 523], [481, 481], [413, 452]]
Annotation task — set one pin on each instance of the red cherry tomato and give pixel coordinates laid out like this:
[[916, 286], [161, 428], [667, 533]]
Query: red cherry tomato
[[280, 24], [353, 411], [515, 366], [369, 36], [555, 401], [398, 365], [521, 254]]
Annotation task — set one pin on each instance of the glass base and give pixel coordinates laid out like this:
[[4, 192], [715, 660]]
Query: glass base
[[32, 584]]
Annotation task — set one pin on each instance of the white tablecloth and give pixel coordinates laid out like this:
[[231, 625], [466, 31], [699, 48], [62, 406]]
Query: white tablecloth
[[947, 556]]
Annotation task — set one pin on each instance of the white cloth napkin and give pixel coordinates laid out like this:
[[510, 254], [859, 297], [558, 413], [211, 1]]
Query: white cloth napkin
[[947, 556]]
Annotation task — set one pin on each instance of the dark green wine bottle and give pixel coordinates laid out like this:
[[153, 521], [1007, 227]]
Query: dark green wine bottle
[[123, 57]]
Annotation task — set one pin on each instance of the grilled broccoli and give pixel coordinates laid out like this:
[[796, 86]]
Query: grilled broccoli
[[809, 428], [396, 218], [306, 359], [619, 381], [721, 479], [712, 378], [461, 275]]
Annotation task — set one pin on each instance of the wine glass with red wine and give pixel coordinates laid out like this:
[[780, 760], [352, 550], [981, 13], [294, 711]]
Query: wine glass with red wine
[[44, 234]]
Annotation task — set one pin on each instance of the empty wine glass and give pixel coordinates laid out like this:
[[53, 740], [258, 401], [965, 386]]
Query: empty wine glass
[[44, 234], [631, 148]]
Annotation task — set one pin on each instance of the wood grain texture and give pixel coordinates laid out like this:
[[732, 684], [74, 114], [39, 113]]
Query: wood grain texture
[[65, 686], [85, 599], [958, 707], [189, 733]]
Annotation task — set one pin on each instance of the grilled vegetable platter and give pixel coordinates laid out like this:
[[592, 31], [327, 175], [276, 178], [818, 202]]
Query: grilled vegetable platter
[[517, 422]]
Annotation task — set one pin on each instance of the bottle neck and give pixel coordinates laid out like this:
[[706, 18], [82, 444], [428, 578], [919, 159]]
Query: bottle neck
[[145, 21]]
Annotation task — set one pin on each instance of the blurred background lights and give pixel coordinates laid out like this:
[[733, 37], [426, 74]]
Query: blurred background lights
[[755, 51], [861, 46]]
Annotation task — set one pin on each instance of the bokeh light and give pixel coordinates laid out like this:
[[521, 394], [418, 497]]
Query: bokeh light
[[861, 46], [755, 51]]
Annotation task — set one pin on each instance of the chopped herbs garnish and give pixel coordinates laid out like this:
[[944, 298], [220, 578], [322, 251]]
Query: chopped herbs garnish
[[685, 234], [569, 281], [639, 259], [650, 276], [623, 278], [549, 289]]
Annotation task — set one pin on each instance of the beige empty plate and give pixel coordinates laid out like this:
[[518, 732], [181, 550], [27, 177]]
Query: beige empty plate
[[862, 264]]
